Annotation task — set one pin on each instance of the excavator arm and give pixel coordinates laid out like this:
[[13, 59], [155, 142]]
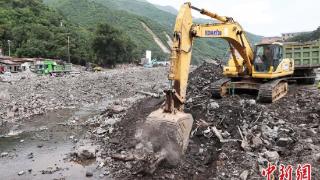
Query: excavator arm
[[184, 33], [180, 60]]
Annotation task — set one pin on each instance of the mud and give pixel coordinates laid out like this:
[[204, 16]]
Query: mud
[[41, 149]]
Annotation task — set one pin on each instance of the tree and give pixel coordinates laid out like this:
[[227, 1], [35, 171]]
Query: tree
[[36, 31], [112, 46]]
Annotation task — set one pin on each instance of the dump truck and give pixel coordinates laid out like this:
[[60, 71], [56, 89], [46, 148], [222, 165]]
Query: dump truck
[[306, 59], [52, 67]]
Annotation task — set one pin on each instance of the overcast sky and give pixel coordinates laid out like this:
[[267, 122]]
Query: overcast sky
[[262, 17]]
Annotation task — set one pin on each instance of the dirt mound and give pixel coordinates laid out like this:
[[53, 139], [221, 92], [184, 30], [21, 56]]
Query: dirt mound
[[232, 136]]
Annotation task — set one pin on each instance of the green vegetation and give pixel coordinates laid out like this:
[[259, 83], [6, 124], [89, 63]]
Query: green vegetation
[[37, 31], [311, 36], [126, 15], [112, 47], [89, 14], [203, 48]]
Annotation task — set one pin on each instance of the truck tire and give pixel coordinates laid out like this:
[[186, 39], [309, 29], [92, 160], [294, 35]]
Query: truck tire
[[307, 73]]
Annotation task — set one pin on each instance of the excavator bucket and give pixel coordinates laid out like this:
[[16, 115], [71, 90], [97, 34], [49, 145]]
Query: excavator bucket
[[169, 131]]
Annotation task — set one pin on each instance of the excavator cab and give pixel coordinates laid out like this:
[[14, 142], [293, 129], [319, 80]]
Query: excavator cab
[[267, 57], [269, 62]]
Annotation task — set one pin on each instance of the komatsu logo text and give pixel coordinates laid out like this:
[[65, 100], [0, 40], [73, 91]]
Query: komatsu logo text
[[214, 33]]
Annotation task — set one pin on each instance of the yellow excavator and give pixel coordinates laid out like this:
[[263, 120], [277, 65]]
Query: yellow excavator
[[264, 70]]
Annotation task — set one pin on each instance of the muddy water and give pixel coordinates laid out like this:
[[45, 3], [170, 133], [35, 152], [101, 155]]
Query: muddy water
[[42, 145]]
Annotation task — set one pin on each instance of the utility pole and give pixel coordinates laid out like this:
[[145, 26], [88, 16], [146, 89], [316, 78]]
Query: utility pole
[[68, 49], [9, 43]]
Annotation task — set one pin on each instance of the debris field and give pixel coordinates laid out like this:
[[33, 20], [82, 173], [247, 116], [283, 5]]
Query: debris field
[[232, 138]]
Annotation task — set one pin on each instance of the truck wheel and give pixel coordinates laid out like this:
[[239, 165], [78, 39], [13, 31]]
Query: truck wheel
[[308, 81]]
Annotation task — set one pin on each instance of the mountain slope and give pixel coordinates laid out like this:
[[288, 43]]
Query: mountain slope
[[168, 9], [89, 14], [203, 48], [127, 15], [310, 36], [37, 31]]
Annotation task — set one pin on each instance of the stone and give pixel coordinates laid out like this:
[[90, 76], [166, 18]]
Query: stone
[[86, 152], [272, 156], [281, 122], [114, 141], [251, 101], [40, 145], [89, 174], [128, 165], [190, 100], [267, 132], [283, 142], [262, 161], [256, 142], [101, 165], [225, 134], [244, 175], [201, 150], [100, 131], [311, 132], [308, 140], [214, 105], [245, 145], [21, 173], [4, 154], [316, 158], [30, 156]]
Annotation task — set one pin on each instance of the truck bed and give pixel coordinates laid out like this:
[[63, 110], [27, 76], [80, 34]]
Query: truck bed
[[306, 55]]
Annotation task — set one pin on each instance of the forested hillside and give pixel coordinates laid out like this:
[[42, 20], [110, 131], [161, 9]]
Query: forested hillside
[[126, 14], [37, 31], [89, 14], [203, 48], [310, 36]]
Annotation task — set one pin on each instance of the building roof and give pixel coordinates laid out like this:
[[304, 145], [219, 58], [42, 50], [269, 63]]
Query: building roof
[[270, 39], [296, 32]]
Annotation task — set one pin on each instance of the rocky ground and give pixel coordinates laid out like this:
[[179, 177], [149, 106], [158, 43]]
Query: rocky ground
[[31, 95], [232, 138], [43, 117]]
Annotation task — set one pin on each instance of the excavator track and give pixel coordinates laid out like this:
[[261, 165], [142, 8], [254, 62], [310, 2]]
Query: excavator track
[[273, 90], [219, 88]]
